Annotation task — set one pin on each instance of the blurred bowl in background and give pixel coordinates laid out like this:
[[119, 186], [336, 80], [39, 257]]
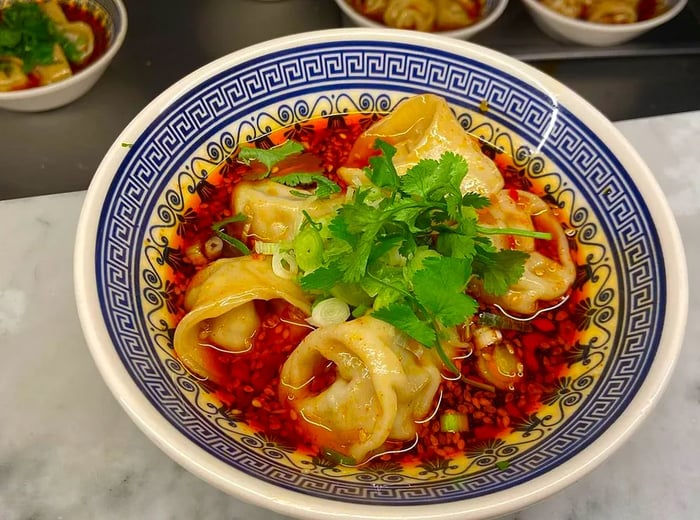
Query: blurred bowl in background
[[108, 15], [490, 11], [575, 30]]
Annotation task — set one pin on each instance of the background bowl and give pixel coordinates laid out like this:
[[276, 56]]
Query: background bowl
[[113, 14], [632, 267], [567, 29], [493, 9]]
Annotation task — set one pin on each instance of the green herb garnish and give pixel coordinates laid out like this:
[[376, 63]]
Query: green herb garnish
[[324, 186], [271, 156], [217, 228], [502, 464], [411, 244], [28, 34]]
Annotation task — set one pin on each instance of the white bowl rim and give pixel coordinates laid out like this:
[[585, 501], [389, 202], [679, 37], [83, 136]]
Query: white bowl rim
[[76, 78], [464, 32], [607, 28], [283, 501]]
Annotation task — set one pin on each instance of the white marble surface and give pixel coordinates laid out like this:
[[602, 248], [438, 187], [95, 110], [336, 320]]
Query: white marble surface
[[68, 451]]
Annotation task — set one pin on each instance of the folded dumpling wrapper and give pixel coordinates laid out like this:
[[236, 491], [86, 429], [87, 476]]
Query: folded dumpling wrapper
[[544, 278], [275, 213], [384, 383], [220, 304], [424, 127]]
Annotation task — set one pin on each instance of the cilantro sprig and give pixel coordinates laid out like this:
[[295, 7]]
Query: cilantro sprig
[[27, 33], [269, 157], [320, 186], [406, 247]]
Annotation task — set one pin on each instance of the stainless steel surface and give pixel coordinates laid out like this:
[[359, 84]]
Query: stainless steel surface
[[58, 151]]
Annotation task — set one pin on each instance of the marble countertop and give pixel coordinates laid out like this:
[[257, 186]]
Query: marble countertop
[[68, 451]]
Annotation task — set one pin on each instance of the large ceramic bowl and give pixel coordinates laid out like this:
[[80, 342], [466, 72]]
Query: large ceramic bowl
[[583, 32], [148, 186], [111, 15]]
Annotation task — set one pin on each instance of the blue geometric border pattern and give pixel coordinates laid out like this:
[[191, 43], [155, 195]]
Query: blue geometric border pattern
[[587, 170]]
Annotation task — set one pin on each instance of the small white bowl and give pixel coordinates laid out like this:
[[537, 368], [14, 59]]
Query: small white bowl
[[47, 97], [567, 29], [493, 9]]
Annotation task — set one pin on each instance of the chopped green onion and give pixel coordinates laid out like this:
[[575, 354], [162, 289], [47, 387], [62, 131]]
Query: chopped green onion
[[454, 423], [238, 217], [308, 248], [502, 464], [330, 311], [498, 321], [266, 248], [284, 264], [337, 458], [218, 226], [515, 232], [232, 241]]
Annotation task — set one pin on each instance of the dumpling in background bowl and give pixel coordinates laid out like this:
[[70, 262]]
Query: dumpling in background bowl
[[601, 22], [456, 18], [52, 52]]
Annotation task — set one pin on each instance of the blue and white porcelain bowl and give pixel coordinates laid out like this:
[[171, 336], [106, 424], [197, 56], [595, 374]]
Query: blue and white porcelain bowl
[[632, 265]]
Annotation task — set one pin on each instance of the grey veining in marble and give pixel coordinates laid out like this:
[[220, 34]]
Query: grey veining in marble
[[68, 451]]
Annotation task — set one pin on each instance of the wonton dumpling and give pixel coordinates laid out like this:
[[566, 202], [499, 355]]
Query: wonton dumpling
[[56, 71], [612, 11], [382, 386], [453, 14], [77, 33], [370, 7], [275, 213], [11, 74], [417, 15], [570, 8], [544, 278], [424, 127], [221, 311]]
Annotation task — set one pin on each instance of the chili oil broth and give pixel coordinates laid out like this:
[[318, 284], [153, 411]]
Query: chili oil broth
[[250, 392]]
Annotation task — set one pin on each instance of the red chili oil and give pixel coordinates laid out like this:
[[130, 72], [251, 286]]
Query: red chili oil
[[249, 390], [79, 13]]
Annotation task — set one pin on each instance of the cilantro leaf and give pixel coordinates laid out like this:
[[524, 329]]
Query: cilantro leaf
[[28, 34], [401, 316], [418, 180], [460, 242], [383, 172], [498, 269], [439, 288], [324, 186], [475, 200], [322, 278], [271, 156], [409, 245]]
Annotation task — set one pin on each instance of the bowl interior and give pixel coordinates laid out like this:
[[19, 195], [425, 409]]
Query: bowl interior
[[146, 189]]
